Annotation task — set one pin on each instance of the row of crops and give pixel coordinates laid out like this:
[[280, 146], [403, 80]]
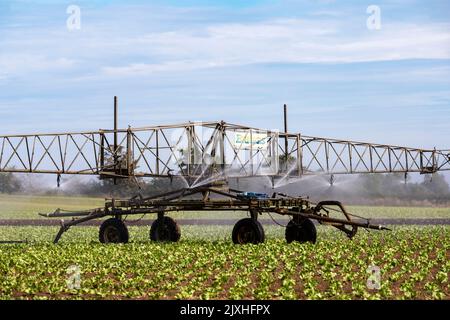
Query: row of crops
[[409, 263]]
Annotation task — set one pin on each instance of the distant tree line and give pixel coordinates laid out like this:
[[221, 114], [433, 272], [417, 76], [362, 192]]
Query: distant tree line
[[9, 183]]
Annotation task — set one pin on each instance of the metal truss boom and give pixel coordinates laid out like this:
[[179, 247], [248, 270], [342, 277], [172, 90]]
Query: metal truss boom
[[207, 150]]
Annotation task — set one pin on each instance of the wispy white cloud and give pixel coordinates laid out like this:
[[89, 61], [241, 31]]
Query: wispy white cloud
[[287, 41], [329, 13], [16, 64], [146, 69], [105, 48]]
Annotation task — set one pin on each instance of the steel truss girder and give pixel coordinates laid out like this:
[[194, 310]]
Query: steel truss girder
[[212, 150]]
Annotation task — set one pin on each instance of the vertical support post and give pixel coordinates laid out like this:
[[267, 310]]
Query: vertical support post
[[299, 156], [130, 156], [390, 159], [349, 146], [157, 152], [371, 158], [95, 153], [327, 155], [193, 154], [222, 146], [102, 151], [434, 164], [28, 153], [160, 215], [189, 149], [406, 160], [286, 141], [276, 159], [115, 138], [251, 151], [61, 154], [422, 167], [1, 153]]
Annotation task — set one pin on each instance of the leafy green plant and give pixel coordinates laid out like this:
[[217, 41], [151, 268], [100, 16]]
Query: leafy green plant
[[413, 263]]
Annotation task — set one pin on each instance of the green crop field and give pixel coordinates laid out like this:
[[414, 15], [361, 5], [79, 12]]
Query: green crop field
[[28, 207], [413, 262]]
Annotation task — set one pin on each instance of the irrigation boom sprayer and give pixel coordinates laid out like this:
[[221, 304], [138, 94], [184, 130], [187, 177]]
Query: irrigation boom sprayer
[[205, 155]]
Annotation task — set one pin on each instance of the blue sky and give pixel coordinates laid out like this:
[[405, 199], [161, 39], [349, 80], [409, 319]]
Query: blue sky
[[238, 61]]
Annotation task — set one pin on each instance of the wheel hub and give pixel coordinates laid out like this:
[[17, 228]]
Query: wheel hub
[[112, 234], [246, 235]]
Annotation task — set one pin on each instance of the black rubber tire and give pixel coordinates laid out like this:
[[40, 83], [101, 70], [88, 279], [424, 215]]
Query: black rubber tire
[[303, 231], [167, 231], [247, 231], [113, 231]]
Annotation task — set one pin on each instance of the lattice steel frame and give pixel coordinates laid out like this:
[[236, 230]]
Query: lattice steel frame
[[207, 150]]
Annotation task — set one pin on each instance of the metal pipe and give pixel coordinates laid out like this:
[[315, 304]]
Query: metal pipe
[[366, 225]]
